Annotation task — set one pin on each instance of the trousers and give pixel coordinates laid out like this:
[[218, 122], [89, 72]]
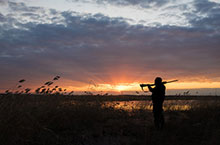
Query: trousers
[[158, 114]]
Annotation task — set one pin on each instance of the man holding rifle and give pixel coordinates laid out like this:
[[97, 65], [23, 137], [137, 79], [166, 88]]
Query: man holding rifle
[[158, 96]]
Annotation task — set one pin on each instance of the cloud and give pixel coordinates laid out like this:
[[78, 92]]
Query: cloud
[[3, 2], [82, 47], [148, 13], [211, 15], [139, 3]]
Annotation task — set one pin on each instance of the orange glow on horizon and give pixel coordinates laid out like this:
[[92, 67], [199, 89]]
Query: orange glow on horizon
[[136, 86], [113, 86], [121, 88]]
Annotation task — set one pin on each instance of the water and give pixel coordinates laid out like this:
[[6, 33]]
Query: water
[[179, 105]]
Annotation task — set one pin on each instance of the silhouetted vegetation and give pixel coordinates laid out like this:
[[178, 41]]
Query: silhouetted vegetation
[[87, 120], [46, 89]]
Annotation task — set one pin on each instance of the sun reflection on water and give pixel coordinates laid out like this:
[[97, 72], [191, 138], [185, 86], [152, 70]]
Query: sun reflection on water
[[147, 105]]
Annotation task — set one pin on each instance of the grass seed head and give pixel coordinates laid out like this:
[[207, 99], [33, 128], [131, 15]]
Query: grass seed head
[[27, 90], [19, 86], [21, 81], [56, 78]]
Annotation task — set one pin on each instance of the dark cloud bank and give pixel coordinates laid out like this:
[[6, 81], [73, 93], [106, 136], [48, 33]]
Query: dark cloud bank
[[98, 47]]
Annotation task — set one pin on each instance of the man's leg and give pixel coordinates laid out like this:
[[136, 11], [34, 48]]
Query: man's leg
[[161, 116], [156, 115], [161, 120]]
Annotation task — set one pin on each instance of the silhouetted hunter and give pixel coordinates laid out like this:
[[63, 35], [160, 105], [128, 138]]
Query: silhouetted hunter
[[158, 95]]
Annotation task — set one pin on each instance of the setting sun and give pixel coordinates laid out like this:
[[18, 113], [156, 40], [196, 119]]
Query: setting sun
[[121, 88]]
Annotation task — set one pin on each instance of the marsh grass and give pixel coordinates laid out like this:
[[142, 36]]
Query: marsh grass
[[54, 119]]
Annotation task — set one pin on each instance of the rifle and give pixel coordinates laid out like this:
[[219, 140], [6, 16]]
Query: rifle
[[165, 82]]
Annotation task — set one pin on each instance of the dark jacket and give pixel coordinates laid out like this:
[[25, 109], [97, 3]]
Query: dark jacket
[[158, 93]]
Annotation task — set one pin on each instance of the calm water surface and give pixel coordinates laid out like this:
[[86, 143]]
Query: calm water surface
[[168, 104]]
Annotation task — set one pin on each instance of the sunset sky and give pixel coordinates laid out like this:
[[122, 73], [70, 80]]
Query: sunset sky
[[110, 44]]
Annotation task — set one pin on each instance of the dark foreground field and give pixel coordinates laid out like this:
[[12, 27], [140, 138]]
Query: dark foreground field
[[86, 120]]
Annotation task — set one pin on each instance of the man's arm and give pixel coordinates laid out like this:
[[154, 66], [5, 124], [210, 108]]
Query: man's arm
[[147, 85], [150, 88]]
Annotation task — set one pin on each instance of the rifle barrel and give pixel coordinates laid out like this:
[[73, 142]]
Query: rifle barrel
[[171, 81], [162, 83]]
